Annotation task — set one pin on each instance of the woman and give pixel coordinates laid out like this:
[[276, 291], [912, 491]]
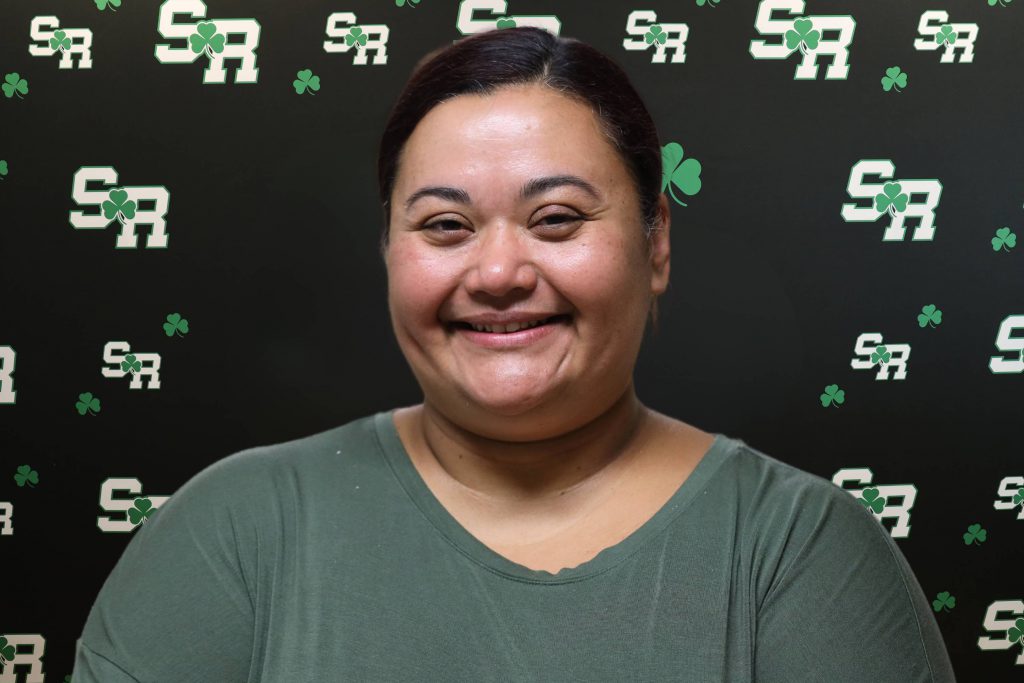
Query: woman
[[531, 519]]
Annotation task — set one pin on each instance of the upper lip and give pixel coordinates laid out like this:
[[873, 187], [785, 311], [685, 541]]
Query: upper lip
[[505, 318]]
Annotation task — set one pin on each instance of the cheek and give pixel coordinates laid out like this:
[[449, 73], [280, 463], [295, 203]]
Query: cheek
[[417, 285]]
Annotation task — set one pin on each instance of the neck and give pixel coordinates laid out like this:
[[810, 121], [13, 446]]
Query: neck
[[555, 472]]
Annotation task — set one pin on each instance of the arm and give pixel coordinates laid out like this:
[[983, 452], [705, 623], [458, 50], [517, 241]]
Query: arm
[[844, 604], [178, 607]]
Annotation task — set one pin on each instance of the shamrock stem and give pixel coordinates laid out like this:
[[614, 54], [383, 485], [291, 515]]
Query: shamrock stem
[[209, 51], [892, 210], [674, 195], [803, 48]]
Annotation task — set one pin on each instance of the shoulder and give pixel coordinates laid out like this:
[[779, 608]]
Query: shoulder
[[794, 521], [821, 566], [255, 476]]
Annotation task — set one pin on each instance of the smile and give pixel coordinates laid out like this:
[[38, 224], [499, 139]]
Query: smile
[[520, 337]]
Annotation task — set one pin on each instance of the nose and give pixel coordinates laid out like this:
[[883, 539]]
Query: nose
[[501, 262]]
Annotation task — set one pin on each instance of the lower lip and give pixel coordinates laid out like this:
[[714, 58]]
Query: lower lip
[[503, 340]]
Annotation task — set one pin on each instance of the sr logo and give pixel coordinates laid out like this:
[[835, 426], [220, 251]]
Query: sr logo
[[27, 663], [813, 36], [467, 23], [672, 36], [7, 360], [897, 199], [6, 518], [138, 365], [364, 38], [884, 501], [121, 204], [211, 38], [69, 42], [1010, 492], [869, 352], [940, 34], [1004, 628], [132, 510], [1006, 343]]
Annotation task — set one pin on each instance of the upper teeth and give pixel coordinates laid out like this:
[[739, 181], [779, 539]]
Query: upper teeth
[[512, 327]]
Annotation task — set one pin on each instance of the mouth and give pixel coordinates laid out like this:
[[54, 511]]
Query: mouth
[[563, 318]]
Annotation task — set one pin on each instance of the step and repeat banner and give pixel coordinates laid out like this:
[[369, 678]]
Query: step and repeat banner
[[189, 262]]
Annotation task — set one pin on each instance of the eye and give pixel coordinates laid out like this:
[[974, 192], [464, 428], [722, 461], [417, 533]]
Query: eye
[[436, 226], [562, 219]]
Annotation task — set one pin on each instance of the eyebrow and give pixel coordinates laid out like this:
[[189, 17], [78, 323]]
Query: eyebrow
[[531, 189]]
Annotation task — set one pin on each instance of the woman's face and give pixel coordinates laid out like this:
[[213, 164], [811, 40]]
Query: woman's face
[[472, 244]]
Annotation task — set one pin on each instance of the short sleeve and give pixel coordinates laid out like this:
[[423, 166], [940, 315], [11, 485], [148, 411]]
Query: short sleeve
[[844, 604], [178, 604]]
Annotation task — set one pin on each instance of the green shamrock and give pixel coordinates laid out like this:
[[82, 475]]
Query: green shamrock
[[834, 395], [506, 22], [142, 511], [891, 198], [355, 35], [974, 534], [801, 36], [6, 650], [946, 34], [943, 601], [928, 315], [894, 78], [175, 323], [1012, 635], [118, 205], [400, 3], [1004, 239], [1018, 497], [709, 3], [656, 34], [3, 168], [102, 4], [1004, 3], [306, 81], [685, 175], [870, 499], [26, 474], [206, 38], [60, 41], [87, 403], [880, 355], [131, 364], [15, 84]]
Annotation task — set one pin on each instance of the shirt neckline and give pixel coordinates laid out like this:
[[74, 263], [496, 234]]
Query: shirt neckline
[[408, 476]]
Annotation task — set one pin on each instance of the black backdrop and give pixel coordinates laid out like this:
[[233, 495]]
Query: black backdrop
[[272, 225]]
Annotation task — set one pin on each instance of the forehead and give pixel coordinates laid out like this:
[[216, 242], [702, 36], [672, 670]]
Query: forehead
[[515, 131]]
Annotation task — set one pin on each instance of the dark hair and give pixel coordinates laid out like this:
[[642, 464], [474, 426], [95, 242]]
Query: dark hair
[[483, 62]]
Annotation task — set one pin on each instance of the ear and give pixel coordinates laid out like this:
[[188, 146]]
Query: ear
[[660, 248]]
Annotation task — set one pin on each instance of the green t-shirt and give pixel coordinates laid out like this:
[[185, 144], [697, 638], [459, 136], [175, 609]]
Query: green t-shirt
[[328, 558]]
